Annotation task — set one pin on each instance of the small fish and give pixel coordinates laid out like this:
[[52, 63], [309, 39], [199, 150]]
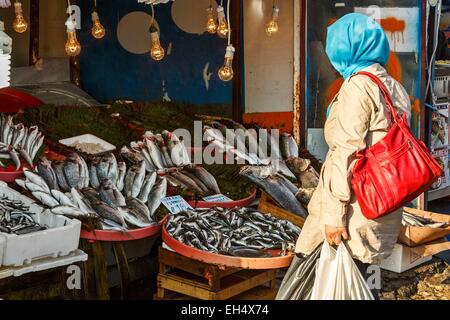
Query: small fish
[[36, 179], [46, 199], [14, 157], [79, 200], [69, 211], [109, 213], [138, 180], [62, 198]]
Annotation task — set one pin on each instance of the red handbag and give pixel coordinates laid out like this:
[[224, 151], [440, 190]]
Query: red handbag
[[395, 170]]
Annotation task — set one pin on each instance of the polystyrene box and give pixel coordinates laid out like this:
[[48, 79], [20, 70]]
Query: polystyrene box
[[60, 239], [403, 259]]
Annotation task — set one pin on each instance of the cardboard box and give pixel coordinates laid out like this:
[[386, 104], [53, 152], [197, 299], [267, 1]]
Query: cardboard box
[[404, 258], [414, 236]]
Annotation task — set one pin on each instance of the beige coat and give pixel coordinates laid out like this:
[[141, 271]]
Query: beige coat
[[358, 119]]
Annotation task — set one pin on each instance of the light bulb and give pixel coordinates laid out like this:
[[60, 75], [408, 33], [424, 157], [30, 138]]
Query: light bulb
[[222, 29], [226, 71], [272, 26], [156, 51], [98, 31], [19, 24], [73, 47], [211, 25]]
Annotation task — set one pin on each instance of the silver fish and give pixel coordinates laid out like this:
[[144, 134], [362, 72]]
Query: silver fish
[[62, 198], [36, 179], [58, 168], [47, 173], [147, 186], [157, 194], [45, 198], [138, 180], [122, 167]]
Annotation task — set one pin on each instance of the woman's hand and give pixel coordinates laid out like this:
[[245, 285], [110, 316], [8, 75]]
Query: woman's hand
[[335, 234]]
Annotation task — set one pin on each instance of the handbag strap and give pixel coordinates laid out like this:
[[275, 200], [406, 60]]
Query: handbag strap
[[384, 92]]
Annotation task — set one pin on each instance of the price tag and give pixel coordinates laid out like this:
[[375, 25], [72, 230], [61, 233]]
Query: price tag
[[217, 198], [175, 204]]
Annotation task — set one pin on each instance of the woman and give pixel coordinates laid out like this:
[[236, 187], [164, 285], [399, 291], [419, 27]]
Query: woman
[[358, 118]]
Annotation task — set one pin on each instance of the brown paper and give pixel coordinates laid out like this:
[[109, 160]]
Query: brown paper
[[415, 236], [432, 248]]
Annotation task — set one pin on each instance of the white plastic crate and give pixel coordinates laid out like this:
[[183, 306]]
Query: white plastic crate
[[60, 239]]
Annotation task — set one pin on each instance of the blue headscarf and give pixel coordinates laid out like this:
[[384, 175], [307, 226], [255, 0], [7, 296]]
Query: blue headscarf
[[355, 42]]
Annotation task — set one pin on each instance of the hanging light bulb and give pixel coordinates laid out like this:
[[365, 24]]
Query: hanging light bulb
[[156, 51], [272, 26], [73, 47], [98, 31], [211, 25], [20, 25], [226, 71], [222, 29]]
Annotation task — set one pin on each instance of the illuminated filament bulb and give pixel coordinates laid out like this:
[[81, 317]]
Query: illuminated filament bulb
[[272, 26], [19, 23], [222, 29], [73, 47], [211, 25], [157, 51], [98, 31], [226, 71]]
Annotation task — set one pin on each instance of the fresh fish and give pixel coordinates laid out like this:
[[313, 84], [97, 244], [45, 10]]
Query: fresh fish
[[285, 145], [25, 156], [83, 170], [14, 157], [81, 202], [206, 177], [62, 198], [141, 148], [147, 186], [187, 181], [58, 168], [178, 152], [93, 178], [138, 180], [130, 155], [129, 179], [108, 213], [45, 198], [275, 188], [71, 171], [91, 195], [305, 173], [122, 167], [16, 218], [21, 183], [36, 179], [220, 230], [165, 152], [157, 194], [113, 169], [45, 170], [69, 211], [30, 186], [102, 169], [198, 182], [304, 195], [155, 153], [110, 194]]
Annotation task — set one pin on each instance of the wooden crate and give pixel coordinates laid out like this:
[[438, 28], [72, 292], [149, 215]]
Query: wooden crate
[[268, 205], [204, 281], [258, 293]]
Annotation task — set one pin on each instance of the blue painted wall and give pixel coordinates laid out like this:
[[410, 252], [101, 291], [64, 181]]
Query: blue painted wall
[[109, 72]]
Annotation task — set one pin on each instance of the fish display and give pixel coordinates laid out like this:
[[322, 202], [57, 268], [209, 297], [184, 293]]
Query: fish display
[[157, 151], [222, 231], [194, 178], [275, 185], [18, 141], [409, 219], [16, 218], [102, 189]]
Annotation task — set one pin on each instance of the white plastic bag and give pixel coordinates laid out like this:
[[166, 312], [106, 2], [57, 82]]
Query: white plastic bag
[[338, 277]]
